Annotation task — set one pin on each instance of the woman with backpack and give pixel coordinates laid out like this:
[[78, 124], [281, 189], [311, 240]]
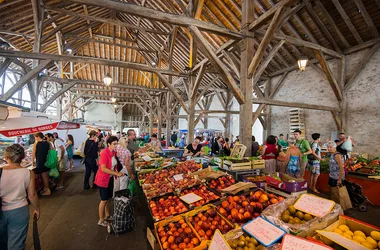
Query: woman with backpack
[[314, 161]]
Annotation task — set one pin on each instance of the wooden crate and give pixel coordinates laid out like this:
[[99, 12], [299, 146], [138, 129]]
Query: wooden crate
[[258, 164], [238, 166]]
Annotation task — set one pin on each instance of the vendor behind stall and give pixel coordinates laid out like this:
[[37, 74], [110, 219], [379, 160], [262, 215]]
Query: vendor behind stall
[[156, 144], [194, 149]]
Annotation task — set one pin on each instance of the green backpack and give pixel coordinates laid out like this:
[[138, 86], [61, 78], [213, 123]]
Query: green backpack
[[52, 159]]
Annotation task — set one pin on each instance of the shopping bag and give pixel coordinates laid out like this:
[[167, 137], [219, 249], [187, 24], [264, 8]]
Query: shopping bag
[[132, 186], [36, 236], [80, 150], [52, 159], [340, 195], [347, 145], [54, 173]]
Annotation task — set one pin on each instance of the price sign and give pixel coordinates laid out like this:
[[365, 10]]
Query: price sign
[[263, 231], [218, 242], [190, 198], [290, 242], [340, 240], [147, 158], [314, 205], [178, 177]]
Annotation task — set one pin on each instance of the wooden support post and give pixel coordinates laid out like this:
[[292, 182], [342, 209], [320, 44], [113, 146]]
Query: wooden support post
[[245, 117], [151, 122], [268, 109]]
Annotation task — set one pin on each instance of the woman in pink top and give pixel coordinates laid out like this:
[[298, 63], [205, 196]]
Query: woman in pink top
[[16, 184], [104, 178], [270, 154]]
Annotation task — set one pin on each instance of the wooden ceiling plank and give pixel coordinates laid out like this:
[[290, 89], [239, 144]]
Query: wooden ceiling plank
[[317, 21], [347, 20], [326, 14], [367, 17]]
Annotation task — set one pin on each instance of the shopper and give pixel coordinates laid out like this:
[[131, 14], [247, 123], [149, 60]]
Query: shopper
[[281, 142], [104, 179], [304, 146], [293, 159], [255, 146], [39, 155], [156, 144], [270, 154], [124, 156], [123, 134], [118, 135], [226, 147], [62, 158], [173, 139], [70, 152], [132, 147], [217, 146], [56, 136], [194, 149], [314, 162], [91, 151], [17, 186], [19, 140], [336, 164], [339, 144]]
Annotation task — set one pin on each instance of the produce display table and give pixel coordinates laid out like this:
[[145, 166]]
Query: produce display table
[[370, 186], [238, 174], [173, 152]]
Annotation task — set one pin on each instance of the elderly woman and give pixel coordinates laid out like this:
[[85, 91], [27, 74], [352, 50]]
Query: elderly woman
[[336, 164], [124, 156], [194, 149], [293, 159], [104, 178], [16, 187]]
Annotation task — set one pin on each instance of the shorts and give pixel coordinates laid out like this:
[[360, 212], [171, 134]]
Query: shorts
[[106, 192], [332, 182], [314, 167], [62, 164]]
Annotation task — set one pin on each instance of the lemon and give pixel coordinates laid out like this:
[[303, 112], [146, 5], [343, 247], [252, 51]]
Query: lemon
[[358, 242], [375, 235], [371, 241], [378, 244], [359, 238], [344, 228], [349, 232], [359, 233], [347, 236], [367, 245], [338, 231]]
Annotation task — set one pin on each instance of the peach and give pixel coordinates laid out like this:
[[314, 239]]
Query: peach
[[264, 197]]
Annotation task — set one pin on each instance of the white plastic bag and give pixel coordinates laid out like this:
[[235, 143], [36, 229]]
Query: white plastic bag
[[347, 145], [80, 150], [121, 183]]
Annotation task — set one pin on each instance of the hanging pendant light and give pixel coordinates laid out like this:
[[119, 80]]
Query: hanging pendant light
[[113, 99], [302, 62], [107, 79]]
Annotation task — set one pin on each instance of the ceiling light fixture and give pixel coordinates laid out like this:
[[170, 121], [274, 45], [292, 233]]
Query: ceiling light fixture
[[113, 99], [107, 79], [302, 63], [69, 51]]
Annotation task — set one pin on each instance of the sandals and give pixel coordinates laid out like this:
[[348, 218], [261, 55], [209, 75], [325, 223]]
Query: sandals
[[46, 192], [102, 223], [109, 218]]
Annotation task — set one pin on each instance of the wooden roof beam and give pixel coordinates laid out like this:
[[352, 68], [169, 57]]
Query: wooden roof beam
[[103, 20], [347, 20], [273, 27], [90, 60], [367, 17], [330, 77], [272, 102], [217, 64], [152, 14]]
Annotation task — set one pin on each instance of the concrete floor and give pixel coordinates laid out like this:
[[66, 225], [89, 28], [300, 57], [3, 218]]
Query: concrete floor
[[69, 220]]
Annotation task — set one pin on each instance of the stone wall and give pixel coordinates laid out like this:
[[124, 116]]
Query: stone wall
[[363, 102]]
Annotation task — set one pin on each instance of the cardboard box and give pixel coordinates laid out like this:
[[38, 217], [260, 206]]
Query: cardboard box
[[354, 225], [152, 239], [240, 186], [287, 186]]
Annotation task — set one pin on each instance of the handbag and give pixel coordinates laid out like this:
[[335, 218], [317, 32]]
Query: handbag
[[36, 236], [311, 157], [119, 166], [80, 150], [339, 194], [52, 159]]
